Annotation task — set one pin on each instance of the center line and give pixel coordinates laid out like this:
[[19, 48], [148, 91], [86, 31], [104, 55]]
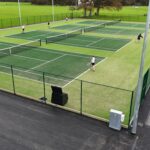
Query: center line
[[94, 42], [46, 63]]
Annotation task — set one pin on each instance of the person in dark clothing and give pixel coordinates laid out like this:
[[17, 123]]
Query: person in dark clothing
[[139, 36]]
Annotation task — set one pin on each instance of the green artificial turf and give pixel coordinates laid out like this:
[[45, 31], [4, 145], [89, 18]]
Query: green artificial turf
[[109, 87]]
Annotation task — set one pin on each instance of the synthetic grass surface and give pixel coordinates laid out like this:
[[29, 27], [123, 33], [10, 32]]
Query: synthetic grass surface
[[10, 10], [51, 62], [120, 69], [34, 35], [93, 42]]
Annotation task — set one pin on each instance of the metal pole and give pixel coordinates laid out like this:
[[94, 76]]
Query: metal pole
[[53, 11], [140, 80], [81, 95], [19, 13], [13, 80]]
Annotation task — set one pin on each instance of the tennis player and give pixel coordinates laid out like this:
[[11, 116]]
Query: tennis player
[[139, 37], [66, 18], [93, 60], [23, 29]]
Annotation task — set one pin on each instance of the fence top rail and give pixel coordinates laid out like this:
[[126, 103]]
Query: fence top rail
[[65, 77], [117, 88]]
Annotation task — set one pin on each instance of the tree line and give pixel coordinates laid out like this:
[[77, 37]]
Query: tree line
[[89, 5], [74, 2]]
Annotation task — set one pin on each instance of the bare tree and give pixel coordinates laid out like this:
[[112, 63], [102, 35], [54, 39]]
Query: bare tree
[[108, 4]]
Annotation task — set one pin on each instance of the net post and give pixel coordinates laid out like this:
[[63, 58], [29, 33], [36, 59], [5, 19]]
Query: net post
[[9, 51], [81, 96], [40, 42], [82, 31], [13, 81]]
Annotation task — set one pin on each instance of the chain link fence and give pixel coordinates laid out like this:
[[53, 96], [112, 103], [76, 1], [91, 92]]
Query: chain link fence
[[86, 98], [28, 20]]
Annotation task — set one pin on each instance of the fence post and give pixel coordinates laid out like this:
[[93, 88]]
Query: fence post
[[131, 103], [44, 85], [13, 81], [81, 86]]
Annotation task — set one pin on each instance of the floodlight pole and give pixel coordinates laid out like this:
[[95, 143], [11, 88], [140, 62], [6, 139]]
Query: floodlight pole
[[53, 11], [19, 13], [140, 80]]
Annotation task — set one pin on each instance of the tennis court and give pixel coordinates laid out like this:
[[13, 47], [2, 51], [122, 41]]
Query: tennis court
[[5, 45], [34, 35], [69, 27], [91, 22], [93, 42], [121, 24], [131, 25], [119, 31], [30, 59]]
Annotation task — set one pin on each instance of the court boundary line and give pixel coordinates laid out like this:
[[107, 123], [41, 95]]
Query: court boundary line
[[84, 73], [39, 23], [74, 28], [96, 48], [46, 62], [124, 46], [27, 57], [95, 42], [61, 52]]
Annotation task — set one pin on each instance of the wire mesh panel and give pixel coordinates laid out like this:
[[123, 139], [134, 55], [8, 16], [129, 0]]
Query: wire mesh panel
[[28, 84], [148, 81], [99, 99], [73, 89], [6, 82]]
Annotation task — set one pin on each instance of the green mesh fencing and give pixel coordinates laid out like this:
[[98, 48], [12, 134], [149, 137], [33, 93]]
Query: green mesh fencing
[[27, 20], [86, 98]]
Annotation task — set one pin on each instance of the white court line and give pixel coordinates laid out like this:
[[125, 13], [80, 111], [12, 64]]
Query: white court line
[[38, 24], [124, 46], [95, 42], [77, 39], [15, 34], [83, 73], [69, 54], [46, 63], [42, 34], [94, 47], [28, 57]]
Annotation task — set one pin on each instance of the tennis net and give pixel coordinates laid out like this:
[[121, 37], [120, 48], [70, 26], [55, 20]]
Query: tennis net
[[95, 27], [19, 48], [60, 37], [112, 22], [102, 25]]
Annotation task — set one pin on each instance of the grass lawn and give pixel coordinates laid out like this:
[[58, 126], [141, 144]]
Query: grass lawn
[[119, 69], [10, 10]]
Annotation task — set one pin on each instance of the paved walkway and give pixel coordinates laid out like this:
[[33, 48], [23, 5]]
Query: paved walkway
[[27, 125]]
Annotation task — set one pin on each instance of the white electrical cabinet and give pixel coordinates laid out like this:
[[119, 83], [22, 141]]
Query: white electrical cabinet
[[116, 118]]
